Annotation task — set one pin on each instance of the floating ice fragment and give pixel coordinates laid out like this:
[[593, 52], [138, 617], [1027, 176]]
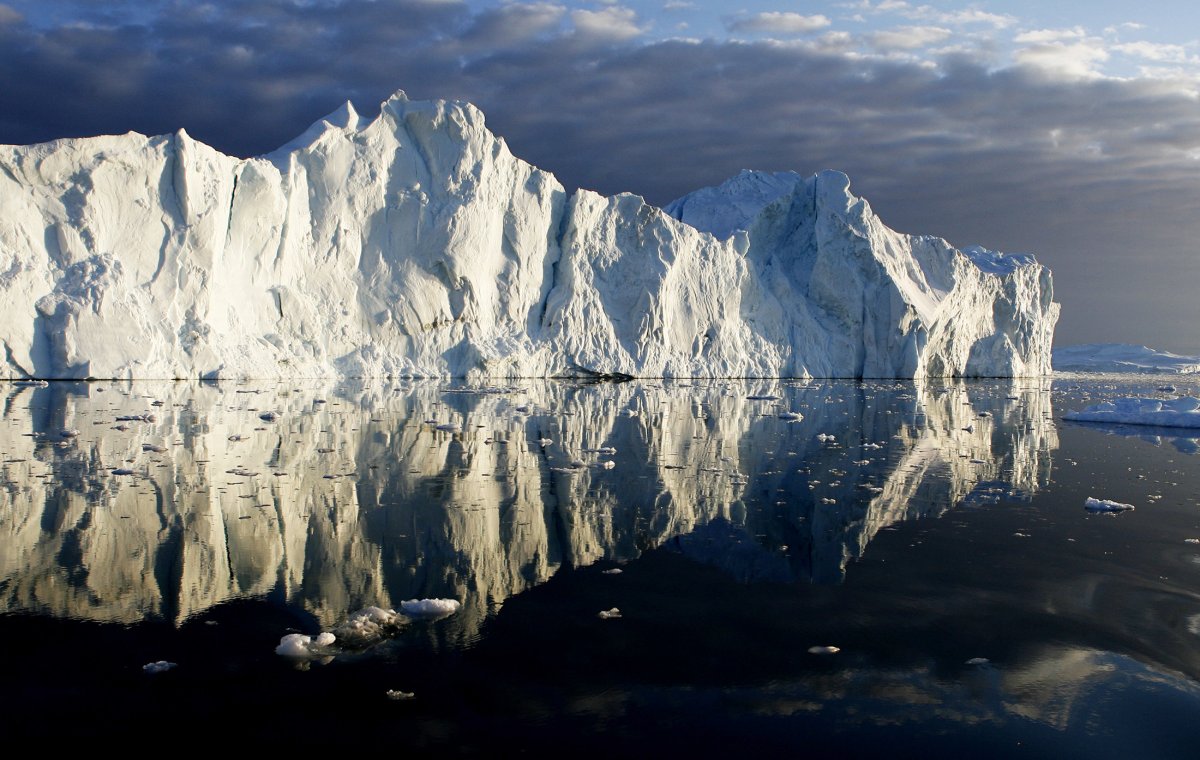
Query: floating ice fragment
[[1099, 504], [824, 650], [791, 416], [1191, 540], [122, 471], [162, 666], [325, 639], [299, 646], [618, 571], [1181, 412], [978, 661], [429, 607], [367, 626], [612, 614], [68, 433], [1103, 505], [826, 437], [153, 447], [400, 696]]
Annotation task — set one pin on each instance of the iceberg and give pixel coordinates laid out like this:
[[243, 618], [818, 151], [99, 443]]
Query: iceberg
[[1182, 412], [415, 244], [1122, 357]]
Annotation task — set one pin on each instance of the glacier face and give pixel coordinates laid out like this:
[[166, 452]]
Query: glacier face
[[416, 244]]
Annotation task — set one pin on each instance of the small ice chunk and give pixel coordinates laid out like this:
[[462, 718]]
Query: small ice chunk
[[429, 607], [791, 416], [162, 666], [618, 571], [296, 645], [1104, 505], [325, 639], [68, 433], [978, 661], [612, 614], [122, 471], [824, 650], [544, 441], [153, 447], [1191, 540], [400, 696]]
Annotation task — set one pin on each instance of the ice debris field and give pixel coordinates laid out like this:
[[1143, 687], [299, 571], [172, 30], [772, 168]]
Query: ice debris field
[[416, 244]]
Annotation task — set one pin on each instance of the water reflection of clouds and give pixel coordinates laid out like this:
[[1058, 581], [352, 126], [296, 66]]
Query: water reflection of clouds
[[369, 495]]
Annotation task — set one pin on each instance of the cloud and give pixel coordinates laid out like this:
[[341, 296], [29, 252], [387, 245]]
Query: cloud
[[779, 23], [1070, 61], [513, 24], [9, 15], [614, 23], [1154, 51], [678, 5], [908, 37], [1095, 175], [1043, 36]]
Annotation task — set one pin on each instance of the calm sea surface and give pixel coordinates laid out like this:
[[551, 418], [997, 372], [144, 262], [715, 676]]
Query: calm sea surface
[[906, 570]]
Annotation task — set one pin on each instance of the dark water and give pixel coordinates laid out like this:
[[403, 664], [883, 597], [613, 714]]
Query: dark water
[[938, 540]]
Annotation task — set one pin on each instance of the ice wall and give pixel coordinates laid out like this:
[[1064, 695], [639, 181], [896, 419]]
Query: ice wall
[[415, 244]]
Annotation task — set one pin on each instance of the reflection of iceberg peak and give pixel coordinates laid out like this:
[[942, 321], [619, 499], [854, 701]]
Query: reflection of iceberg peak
[[359, 501]]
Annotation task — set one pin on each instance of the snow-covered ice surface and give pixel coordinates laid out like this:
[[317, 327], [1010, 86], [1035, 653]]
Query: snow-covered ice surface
[[1183, 412], [416, 244], [1122, 358]]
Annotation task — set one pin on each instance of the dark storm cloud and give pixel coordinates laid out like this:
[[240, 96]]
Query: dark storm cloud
[[1096, 177]]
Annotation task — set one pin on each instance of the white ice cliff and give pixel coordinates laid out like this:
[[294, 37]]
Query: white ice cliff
[[417, 245]]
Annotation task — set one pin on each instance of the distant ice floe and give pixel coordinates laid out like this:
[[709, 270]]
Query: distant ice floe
[[1122, 357], [429, 607], [161, 666], [362, 629], [1183, 412], [1104, 505]]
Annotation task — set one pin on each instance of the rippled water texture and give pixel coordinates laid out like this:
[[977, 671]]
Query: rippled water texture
[[825, 566]]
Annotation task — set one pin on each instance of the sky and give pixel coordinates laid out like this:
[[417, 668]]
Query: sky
[[1068, 130]]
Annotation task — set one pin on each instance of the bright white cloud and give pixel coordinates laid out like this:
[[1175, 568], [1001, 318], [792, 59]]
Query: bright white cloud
[[678, 5], [777, 22], [908, 37], [1042, 36], [614, 23], [1064, 60], [1155, 51]]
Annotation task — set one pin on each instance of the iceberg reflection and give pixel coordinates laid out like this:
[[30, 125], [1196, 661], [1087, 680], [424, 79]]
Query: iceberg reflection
[[369, 495]]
